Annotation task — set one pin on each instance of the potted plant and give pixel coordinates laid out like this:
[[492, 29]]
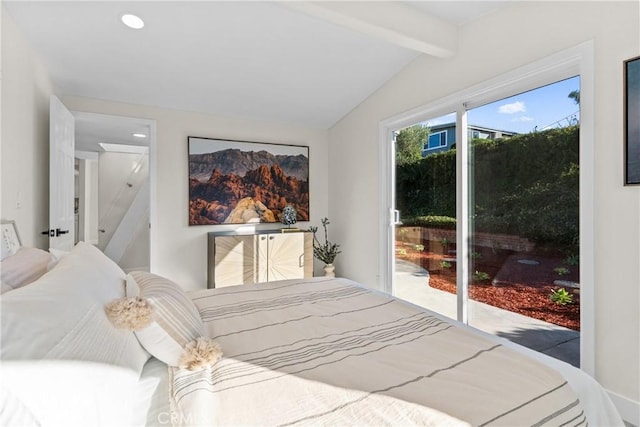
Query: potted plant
[[327, 251]]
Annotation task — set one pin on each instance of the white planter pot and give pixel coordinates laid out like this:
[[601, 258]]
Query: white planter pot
[[329, 270]]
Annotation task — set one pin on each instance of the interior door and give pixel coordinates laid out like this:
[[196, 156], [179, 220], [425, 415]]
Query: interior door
[[61, 176]]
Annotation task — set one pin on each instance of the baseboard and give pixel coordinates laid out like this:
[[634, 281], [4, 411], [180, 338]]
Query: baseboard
[[629, 410]]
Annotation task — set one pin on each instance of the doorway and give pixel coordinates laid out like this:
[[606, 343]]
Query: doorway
[[113, 176], [523, 247], [573, 62]]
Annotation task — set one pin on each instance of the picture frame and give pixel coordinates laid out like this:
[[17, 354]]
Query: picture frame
[[10, 237], [632, 121], [240, 182]]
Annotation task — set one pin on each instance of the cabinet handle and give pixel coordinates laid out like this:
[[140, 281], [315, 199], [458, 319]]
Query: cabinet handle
[[262, 238], [271, 237]]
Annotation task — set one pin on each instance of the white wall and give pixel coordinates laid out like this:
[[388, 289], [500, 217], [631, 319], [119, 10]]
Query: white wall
[[114, 170], [88, 200], [181, 249], [115, 198], [136, 255], [490, 46], [26, 88]]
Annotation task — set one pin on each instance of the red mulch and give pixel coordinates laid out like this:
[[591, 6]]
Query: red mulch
[[512, 286]]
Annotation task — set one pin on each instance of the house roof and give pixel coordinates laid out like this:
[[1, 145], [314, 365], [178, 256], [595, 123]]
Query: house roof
[[474, 127]]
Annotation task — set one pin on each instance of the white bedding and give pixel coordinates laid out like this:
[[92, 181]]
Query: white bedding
[[152, 406], [315, 351], [327, 351], [66, 393], [62, 363], [597, 404]]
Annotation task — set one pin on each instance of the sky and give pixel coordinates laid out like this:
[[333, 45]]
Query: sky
[[539, 109]]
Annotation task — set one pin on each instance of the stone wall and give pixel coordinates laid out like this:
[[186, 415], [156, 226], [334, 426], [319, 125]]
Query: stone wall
[[418, 235]]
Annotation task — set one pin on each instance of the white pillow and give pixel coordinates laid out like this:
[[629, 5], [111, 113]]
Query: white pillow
[[165, 320], [24, 267], [61, 315], [56, 256]]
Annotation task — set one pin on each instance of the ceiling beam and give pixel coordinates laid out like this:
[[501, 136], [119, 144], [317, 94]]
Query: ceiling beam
[[392, 21]]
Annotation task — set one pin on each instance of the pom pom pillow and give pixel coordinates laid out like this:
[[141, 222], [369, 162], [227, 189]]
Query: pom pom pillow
[[61, 315], [166, 322]]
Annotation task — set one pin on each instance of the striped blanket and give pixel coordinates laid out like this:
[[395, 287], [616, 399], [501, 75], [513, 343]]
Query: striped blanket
[[330, 352]]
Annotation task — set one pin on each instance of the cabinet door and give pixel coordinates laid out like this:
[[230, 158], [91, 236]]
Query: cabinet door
[[285, 256], [235, 260], [262, 259]]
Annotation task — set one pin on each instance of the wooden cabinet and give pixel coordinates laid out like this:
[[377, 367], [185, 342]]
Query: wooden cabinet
[[239, 259]]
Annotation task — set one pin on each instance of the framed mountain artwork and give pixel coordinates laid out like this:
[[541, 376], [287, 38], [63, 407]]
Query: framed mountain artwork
[[240, 182], [632, 121]]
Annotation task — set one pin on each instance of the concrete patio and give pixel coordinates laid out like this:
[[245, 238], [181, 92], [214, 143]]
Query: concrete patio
[[411, 284]]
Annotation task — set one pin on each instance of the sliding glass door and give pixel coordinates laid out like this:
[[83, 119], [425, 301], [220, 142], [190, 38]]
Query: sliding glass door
[[425, 236], [524, 166], [488, 229]]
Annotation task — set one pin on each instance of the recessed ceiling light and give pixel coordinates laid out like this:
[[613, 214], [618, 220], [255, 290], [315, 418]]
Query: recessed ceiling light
[[139, 135], [132, 21]]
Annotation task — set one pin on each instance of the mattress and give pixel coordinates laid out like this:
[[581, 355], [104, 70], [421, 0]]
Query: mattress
[[330, 351]]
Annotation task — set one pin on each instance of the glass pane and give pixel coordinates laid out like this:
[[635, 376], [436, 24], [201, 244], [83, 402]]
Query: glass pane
[[524, 176], [425, 249]]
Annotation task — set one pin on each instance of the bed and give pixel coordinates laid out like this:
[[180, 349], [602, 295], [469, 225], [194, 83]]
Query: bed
[[316, 351]]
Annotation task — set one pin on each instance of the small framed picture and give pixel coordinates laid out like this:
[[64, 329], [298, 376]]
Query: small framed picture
[[632, 121], [10, 238]]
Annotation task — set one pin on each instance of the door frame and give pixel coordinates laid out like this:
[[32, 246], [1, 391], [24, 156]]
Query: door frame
[[578, 60], [153, 200]]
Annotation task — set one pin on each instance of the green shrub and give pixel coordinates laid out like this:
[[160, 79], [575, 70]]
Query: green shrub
[[526, 185], [445, 264], [561, 296], [572, 260], [481, 276], [431, 221], [427, 187], [561, 271], [444, 242]]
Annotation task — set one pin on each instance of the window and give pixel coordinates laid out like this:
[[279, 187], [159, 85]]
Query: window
[[436, 140], [479, 135]]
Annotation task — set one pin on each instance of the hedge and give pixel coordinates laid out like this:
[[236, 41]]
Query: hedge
[[527, 185], [431, 221]]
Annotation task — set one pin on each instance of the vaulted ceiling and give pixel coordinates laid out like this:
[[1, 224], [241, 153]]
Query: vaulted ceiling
[[303, 63]]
